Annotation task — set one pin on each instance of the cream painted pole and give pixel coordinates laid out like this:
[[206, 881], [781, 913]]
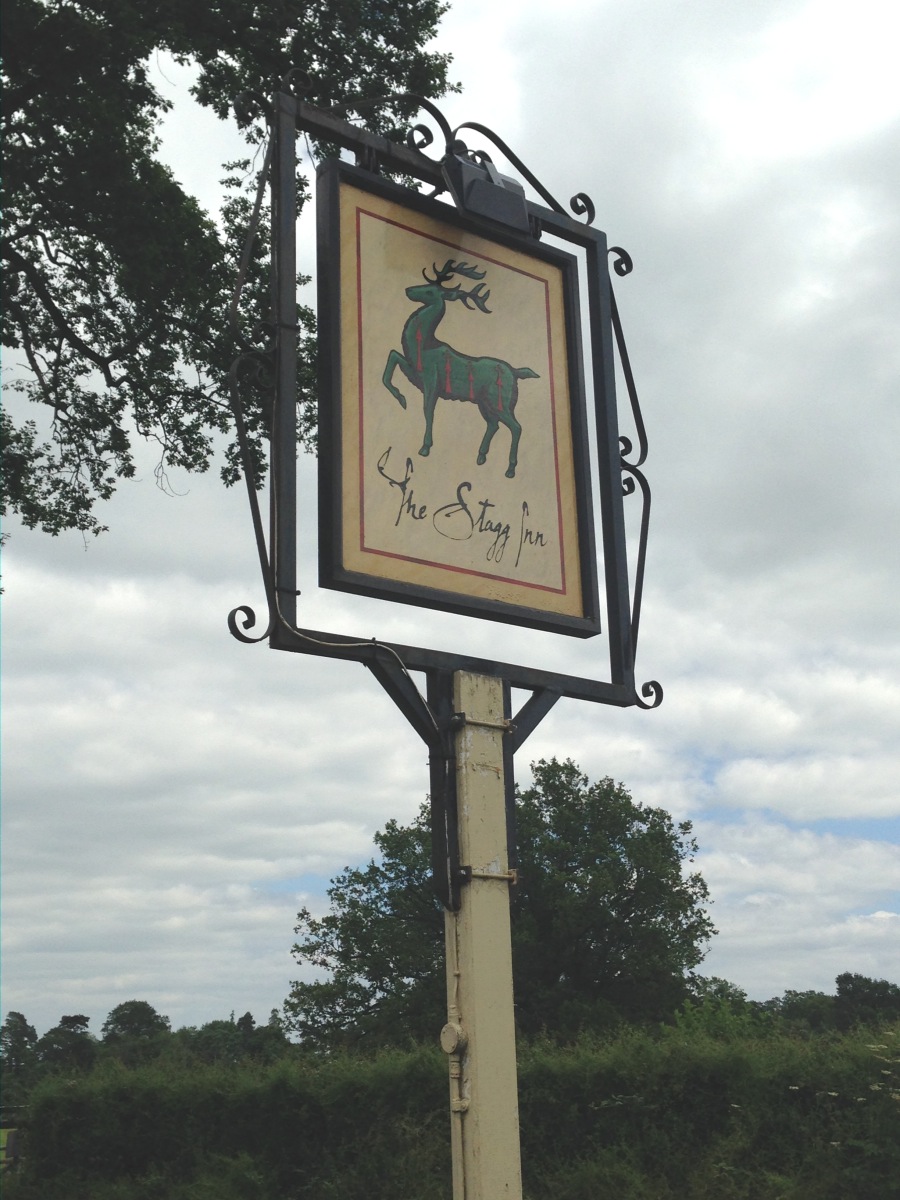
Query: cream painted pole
[[479, 1036]]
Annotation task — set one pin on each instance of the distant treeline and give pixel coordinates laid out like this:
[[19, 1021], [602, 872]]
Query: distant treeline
[[794, 1099]]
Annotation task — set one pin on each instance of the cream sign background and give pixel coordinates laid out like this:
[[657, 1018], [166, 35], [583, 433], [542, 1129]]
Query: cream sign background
[[505, 529]]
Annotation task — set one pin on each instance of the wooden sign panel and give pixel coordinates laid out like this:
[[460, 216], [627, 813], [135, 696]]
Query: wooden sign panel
[[453, 456]]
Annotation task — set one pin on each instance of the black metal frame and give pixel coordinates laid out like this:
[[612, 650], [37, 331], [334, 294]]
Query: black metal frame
[[332, 572], [432, 716]]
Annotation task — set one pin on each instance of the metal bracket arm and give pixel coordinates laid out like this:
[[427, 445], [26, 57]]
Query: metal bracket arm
[[458, 720], [467, 874]]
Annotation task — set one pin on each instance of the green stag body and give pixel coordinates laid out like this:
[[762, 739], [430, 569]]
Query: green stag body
[[440, 372]]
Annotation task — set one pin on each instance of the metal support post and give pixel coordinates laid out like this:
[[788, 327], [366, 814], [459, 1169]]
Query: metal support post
[[479, 1036], [283, 542]]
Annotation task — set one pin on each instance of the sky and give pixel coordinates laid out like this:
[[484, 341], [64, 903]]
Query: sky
[[172, 797]]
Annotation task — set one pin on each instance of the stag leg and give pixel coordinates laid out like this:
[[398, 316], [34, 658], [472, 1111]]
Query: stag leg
[[492, 426], [515, 432], [430, 395], [395, 359]]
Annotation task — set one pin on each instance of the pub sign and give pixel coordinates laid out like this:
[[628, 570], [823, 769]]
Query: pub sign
[[454, 462]]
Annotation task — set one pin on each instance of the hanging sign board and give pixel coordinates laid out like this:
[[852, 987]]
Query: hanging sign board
[[453, 441]]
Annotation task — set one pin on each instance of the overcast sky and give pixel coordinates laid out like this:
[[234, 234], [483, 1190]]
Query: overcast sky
[[171, 797]]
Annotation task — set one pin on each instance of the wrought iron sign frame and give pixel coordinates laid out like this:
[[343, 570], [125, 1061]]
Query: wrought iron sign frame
[[497, 206]]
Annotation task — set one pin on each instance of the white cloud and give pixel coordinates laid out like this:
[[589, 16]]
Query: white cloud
[[804, 83], [795, 909], [822, 786]]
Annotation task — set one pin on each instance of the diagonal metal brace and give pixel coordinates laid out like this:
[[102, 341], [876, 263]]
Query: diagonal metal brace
[[531, 714], [399, 686], [435, 722]]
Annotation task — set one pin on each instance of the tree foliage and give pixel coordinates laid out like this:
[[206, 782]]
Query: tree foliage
[[235, 1041], [381, 946], [606, 922], [607, 915], [133, 1036], [135, 1019], [864, 1002], [858, 1002], [118, 283], [68, 1046], [17, 1042]]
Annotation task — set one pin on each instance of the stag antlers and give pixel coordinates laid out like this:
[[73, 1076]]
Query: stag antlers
[[477, 297]]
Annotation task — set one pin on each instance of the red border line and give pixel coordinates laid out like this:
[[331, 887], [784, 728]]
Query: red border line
[[424, 562], [361, 211]]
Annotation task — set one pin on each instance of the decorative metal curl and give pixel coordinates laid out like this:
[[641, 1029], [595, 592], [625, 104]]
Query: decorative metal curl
[[297, 81], [256, 349], [585, 203], [359, 104], [631, 476], [249, 104], [419, 137], [650, 689], [248, 621], [632, 479], [480, 157], [582, 203], [265, 565], [623, 264]]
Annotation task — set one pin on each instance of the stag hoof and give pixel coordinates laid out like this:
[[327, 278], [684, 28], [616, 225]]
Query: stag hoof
[[482, 459], [511, 472], [402, 400], [425, 451]]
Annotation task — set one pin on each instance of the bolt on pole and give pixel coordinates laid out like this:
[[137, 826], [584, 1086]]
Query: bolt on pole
[[479, 1036]]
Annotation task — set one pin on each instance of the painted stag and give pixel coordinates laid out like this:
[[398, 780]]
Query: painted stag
[[440, 372]]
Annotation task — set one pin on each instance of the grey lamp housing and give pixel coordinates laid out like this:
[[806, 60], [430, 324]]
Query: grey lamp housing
[[479, 188]]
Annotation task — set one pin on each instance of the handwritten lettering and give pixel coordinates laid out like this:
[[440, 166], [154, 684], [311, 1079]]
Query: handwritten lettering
[[463, 518], [407, 503], [497, 528], [455, 520], [527, 536]]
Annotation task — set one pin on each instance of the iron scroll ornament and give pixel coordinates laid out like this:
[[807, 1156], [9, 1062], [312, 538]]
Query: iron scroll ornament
[[581, 203], [633, 478], [420, 136], [256, 354]]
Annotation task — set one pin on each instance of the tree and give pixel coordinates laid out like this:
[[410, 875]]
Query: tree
[[234, 1041], [864, 1001], [606, 923], [118, 283], [606, 916], [381, 945], [17, 1044], [135, 1020], [811, 1010], [68, 1046], [718, 990]]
